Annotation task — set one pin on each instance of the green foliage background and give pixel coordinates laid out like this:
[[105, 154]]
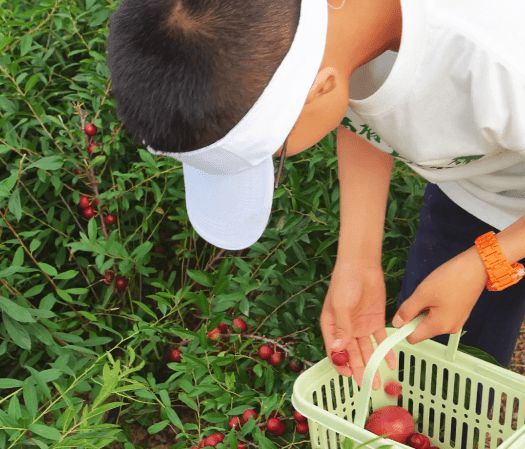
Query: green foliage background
[[83, 365]]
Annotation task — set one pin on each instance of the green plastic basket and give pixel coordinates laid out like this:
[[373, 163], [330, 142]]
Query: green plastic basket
[[457, 400]]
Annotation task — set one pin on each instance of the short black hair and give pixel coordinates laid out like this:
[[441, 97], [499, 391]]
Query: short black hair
[[185, 72]]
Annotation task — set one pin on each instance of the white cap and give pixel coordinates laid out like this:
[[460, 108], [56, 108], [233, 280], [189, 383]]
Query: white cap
[[230, 183]]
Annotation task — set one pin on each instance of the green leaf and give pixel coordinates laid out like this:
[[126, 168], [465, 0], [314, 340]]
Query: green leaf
[[200, 277], [142, 250], [10, 383], [92, 230], [45, 431], [25, 44], [31, 82], [7, 184], [14, 204], [18, 258], [34, 245], [30, 397], [48, 269], [15, 311], [17, 333], [14, 410], [174, 418], [156, 428], [268, 380], [12, 270], [48, 163], [66, 275], [64, 295]]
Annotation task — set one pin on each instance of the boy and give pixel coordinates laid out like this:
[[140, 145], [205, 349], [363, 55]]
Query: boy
[[220, 85]]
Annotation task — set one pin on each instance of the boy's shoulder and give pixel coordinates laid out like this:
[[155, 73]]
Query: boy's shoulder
[[495, 27]]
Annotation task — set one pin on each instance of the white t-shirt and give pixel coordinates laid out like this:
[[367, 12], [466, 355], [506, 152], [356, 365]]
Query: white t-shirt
[[451, 102]]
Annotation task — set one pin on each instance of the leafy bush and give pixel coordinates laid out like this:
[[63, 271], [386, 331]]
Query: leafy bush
[[85, 364]]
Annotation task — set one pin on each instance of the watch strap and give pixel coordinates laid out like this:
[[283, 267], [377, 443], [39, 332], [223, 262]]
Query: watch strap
[[501, 272]]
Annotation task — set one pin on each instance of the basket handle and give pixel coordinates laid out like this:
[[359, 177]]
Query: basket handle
[[365, 392]]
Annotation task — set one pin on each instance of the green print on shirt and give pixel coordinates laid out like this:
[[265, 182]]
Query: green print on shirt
[[466, 159], [365, 130], [370, 135]]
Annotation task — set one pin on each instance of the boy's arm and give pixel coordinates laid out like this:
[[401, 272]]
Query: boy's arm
[[364, 179], [355, 303]]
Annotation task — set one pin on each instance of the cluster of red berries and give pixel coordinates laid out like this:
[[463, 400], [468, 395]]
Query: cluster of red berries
[[238, 324], [90, 130], [87, 206], [89, 210], [213, 440], [301, 425], [275, 357], [236, 422], [276, 426], [121, 283]]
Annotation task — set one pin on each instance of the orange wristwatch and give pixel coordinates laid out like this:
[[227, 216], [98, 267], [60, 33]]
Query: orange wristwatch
[[501, 272]]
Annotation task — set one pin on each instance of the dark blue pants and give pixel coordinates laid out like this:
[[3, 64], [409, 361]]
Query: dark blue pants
[[445, 230]]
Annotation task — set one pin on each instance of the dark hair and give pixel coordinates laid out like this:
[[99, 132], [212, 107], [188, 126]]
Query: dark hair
[[185, 72]]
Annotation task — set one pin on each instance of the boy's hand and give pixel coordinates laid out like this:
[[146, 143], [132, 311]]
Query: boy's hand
[[353, 311], [448, 293]]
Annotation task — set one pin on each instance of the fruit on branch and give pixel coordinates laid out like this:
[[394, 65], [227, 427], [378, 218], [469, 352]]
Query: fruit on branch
[[90, 129], [276, 358], [224, 328], [214, 334], [88, 212], [265, 352], [121, 283], [295, 365], [298, 417], [235, 423], [84, 202], [175, 355], [108, 277], [239, 324], [275, 426], [110, 219], [250, 413], [92, 147], [301, 427]]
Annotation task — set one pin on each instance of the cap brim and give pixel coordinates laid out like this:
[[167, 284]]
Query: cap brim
[[230, 211]]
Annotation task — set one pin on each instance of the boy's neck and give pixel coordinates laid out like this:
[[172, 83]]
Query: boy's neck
[[364, 29]]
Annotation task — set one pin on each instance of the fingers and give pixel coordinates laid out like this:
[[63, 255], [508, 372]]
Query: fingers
[[410, 309], [356, 360], [390, 358], [330, 335], [428, 328], [367, 349]]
